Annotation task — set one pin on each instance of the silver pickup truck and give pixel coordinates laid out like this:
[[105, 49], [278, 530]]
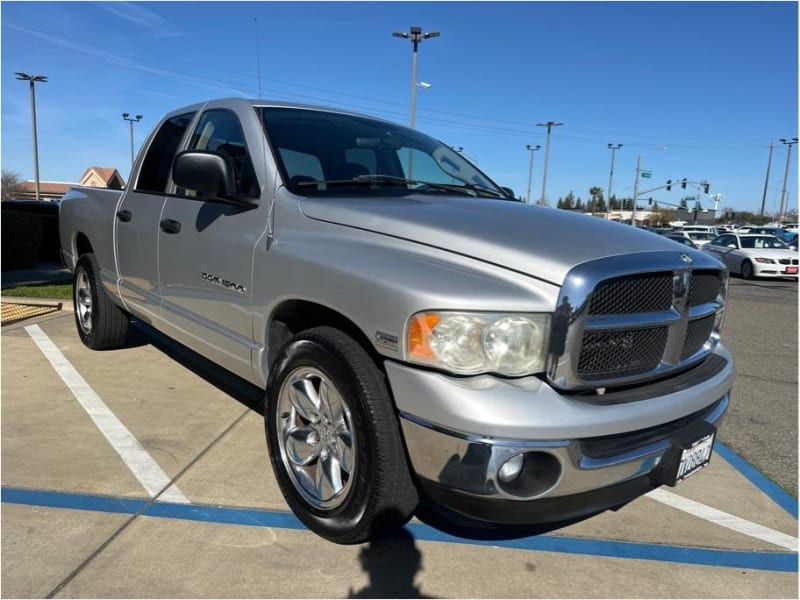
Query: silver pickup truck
[[417, 331]]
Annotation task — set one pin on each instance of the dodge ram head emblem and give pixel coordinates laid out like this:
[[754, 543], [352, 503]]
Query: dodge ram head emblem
[[686, 258]]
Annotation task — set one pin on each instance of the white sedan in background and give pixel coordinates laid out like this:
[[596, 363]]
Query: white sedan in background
[[754, 255]]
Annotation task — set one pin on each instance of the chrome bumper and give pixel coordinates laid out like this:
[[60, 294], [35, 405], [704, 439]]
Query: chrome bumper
[[470, 464]]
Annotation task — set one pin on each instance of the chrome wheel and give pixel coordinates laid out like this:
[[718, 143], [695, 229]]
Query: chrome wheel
[[83, 301], [316, 438]]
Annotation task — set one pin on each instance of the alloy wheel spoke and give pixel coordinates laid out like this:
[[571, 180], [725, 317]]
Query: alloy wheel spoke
[[305, 399], [328, 477], [300, 446]]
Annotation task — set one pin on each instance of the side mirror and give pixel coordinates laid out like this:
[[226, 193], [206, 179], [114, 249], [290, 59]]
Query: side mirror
[[509, 192], [732, 246], [210, 173]]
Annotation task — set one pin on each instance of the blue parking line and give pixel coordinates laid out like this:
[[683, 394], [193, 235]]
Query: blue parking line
[[754, 476], [763, 561]]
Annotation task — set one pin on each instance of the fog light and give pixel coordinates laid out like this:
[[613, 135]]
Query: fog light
[[511, 468]]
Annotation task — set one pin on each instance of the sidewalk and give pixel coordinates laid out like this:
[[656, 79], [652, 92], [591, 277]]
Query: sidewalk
[[48, 272]]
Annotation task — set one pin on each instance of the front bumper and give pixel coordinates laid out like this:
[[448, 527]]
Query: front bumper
[[583, 453]]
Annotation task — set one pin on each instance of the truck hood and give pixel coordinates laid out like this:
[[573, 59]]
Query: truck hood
[[539, 241]]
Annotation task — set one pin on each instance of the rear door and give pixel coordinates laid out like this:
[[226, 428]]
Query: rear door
[[206, 253], [138, 217]]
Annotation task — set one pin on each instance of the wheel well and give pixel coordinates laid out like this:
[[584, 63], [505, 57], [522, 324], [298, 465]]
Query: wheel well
[[294, 316], [82, 246]]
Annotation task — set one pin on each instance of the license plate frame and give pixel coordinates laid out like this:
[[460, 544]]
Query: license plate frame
[[689, 454], [791, 271]]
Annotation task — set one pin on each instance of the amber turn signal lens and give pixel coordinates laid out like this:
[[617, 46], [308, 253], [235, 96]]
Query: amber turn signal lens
[[419, 332]]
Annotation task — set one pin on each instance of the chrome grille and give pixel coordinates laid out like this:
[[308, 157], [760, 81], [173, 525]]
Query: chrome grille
[[697, 334], [650, 292], [625, 319], [606, 354]]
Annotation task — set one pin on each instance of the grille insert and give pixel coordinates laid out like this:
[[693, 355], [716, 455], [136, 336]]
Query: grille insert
[[651, 292], [612, 354], [697, 334], [705, 288]]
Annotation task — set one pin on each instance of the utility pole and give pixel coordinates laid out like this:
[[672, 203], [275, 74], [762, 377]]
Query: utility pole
[[136, 119], [549, 125], [789, 143], [33, 79], [416, 36], [766, 179], [613, 148], [636, 188], [531, 149]]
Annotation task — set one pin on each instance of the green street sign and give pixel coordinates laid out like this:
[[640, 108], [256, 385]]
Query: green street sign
[[647, 174], [690, 198]]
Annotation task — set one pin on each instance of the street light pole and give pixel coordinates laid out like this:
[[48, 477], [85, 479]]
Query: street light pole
[[33, 79], [549, 125], [136, 119], [613, 148], [766, 179], [531, 149], [636, 183], [416, 36], [789, 143]]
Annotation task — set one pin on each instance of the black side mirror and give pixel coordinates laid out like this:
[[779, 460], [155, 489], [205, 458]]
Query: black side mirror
[[210, 173]]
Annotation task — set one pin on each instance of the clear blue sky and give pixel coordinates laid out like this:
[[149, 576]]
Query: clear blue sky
[[713, 82]]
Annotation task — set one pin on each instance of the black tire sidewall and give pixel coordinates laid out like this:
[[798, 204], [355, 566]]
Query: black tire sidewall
[[360, 387], [747, 270], [86, 264]]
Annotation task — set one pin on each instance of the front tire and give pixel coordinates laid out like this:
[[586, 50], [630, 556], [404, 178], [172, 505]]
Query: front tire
[[747, 270], [101, 323], [334, 440]]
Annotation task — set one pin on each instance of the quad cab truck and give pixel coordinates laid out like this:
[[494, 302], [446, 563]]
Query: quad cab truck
[[417, 331]]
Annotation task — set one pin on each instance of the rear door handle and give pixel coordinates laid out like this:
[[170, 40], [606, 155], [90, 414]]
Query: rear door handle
[[124, 215], [170, 226]]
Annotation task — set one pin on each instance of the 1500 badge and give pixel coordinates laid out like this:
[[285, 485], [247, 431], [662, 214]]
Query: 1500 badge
[[224, 283]]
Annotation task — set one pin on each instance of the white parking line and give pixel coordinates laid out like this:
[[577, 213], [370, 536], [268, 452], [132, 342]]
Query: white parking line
[[724, 519], [130, 450]]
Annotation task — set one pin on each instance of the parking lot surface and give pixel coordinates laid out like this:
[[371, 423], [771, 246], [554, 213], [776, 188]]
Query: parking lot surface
[[142, 472]]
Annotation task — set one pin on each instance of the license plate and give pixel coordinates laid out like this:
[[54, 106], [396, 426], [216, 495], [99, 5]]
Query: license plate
[[689, 453], [792, 270], [695, 457]]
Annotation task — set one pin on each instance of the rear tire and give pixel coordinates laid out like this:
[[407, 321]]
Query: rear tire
[[747, 270], [334, 440], [101, 323]]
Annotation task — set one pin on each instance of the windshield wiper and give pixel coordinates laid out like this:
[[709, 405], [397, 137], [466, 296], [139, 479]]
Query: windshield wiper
[[379, 178]]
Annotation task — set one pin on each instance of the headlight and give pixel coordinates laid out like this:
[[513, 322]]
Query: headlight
[[764, 261], [471, 343]]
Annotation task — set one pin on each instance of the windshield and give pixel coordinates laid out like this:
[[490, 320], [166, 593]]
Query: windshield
[[327, 153], [700, 235], [762, 241]]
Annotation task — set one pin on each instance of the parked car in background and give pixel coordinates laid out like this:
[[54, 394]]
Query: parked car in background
[[698, 238], [779, 233], [701, 228], [754, 255], [681, 239]]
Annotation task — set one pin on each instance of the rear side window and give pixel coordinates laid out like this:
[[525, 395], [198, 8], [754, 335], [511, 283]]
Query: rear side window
[[157, 163]]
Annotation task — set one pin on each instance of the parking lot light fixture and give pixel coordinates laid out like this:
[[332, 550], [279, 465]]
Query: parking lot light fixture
[[788, 143], [549, 125], [33, 79], [416, 36], [531, 149], [131, 120], [613, 148]]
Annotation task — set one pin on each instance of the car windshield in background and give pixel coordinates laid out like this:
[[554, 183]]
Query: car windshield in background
[[700, 235], [328, 153], [762, 241]]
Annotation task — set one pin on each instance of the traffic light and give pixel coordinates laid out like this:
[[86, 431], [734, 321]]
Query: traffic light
[[683, 183], [705, 188], [669, 184], [650, 201]]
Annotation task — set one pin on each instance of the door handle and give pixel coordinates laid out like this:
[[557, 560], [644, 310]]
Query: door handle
[[170, 226], [124, 215]]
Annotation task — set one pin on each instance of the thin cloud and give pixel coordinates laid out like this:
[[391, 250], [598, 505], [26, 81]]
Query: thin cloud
[[143, 17]]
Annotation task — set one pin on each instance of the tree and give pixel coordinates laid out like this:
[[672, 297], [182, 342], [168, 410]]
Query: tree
[[698, 206], [682, 204], [569, 201], [10, 181], [578, 205], [596, 193], [613, 203]]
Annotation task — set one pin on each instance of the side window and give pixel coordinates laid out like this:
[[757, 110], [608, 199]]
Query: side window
[[220, 131], [157, 163]]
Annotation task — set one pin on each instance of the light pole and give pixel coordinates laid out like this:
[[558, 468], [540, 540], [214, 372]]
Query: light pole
[[766, 180], [549, 125], [33, 79], [133, 120], [636, 183], [531, 149], [789, 143], [416, 36], [613, 148]]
